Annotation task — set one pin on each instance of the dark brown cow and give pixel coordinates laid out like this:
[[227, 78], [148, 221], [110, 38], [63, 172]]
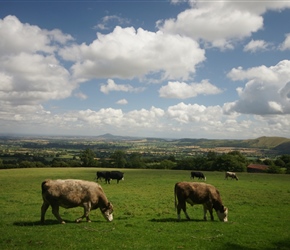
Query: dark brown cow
[[199, 193], [74, 193]]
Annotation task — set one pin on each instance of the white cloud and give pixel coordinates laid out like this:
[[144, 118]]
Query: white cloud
[[33, 78], [122, 102], [220, 23], [127, 53], [81, 95], [17, 37], [217, 23], [110, 20], [256, 45], [286, 44], [183, 90], [267, 90], [112, 86]]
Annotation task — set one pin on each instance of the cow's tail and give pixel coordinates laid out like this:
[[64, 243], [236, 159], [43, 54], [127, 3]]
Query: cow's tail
[[175, 194], [44, 186]]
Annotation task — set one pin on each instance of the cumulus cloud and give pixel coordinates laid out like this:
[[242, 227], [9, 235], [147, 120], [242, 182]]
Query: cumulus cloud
[[286, 44], [30, 72], [214, 23], [220, 23], [127, 53], [267, 90], [256, 45], [110, 20], [81, 95], [182, 90], [112, 86], [17, 37], [122, 102]]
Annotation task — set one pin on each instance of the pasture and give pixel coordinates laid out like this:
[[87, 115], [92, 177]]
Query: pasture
[[144, 213]]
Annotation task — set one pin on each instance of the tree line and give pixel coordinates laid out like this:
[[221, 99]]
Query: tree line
[[211, 161]]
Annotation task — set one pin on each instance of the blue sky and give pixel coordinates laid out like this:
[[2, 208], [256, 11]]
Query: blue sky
[[171, 69]]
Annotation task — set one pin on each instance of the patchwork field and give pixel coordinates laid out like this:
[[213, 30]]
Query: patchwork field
[[144, 213]]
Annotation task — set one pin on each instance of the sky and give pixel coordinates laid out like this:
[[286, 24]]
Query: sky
[[146, 68]]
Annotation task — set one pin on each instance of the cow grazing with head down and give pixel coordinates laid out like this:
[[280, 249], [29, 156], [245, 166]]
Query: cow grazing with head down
[[101, 175], [198, 175], [74, 193], [232, 175], [199, 193]]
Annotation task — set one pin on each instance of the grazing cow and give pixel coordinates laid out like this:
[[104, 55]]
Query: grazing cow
[[199, 193], [101, 175], [114, 175], [232, 175], [74, 193], [198, 175]]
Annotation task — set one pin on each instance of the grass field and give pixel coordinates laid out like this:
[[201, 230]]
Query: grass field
[[144, 213]]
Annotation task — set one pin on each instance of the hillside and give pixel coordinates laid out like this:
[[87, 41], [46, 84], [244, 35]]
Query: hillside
[[267, 142]]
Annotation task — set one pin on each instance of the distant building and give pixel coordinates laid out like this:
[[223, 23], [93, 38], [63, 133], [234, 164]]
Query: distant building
[[257, 168]]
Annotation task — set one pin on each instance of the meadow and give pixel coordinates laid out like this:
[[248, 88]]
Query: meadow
[[144, 213]]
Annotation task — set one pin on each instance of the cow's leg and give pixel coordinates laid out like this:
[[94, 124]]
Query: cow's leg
[[44, 207], [55, 211], [87, 209], [181, 205], [204, 211], [210, 212]]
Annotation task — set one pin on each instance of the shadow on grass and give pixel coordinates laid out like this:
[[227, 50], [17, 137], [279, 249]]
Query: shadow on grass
[[175, 220], [38, 223], [46, 223], [283, 245]]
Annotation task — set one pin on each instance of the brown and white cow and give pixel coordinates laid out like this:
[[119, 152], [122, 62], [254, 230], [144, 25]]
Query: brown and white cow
[[232, 175], [71, 193], [199, 193]]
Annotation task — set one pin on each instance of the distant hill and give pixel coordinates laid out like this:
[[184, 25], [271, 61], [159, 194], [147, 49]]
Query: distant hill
[[280, 144], [267, 142], [110, 137]]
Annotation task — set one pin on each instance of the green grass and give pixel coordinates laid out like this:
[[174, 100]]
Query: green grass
[[144, 214]]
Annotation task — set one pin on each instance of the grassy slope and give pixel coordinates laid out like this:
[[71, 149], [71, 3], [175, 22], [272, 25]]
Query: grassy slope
[[144, 216]]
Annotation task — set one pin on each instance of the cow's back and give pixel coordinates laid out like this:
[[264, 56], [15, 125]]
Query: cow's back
[[70, 193], [197, 192]]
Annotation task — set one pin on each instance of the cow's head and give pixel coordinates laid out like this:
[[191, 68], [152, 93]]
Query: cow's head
[[108, 212], [223, 214]]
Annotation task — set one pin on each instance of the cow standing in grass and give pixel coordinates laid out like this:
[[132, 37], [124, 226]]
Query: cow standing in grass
[[101, 175], [74, 193], [114, 175], [198, 175], [199, 193], [232, 175]]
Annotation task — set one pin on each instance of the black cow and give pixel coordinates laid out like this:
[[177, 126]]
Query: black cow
[[199, 175], [114, 175], [101, 175]]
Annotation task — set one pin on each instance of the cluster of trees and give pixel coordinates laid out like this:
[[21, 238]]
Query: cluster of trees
[[232, 161]]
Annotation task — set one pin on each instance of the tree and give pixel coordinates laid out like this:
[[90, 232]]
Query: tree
[[119, 159], [136, 161], [167, 164], [88, 158], [230, 162]]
